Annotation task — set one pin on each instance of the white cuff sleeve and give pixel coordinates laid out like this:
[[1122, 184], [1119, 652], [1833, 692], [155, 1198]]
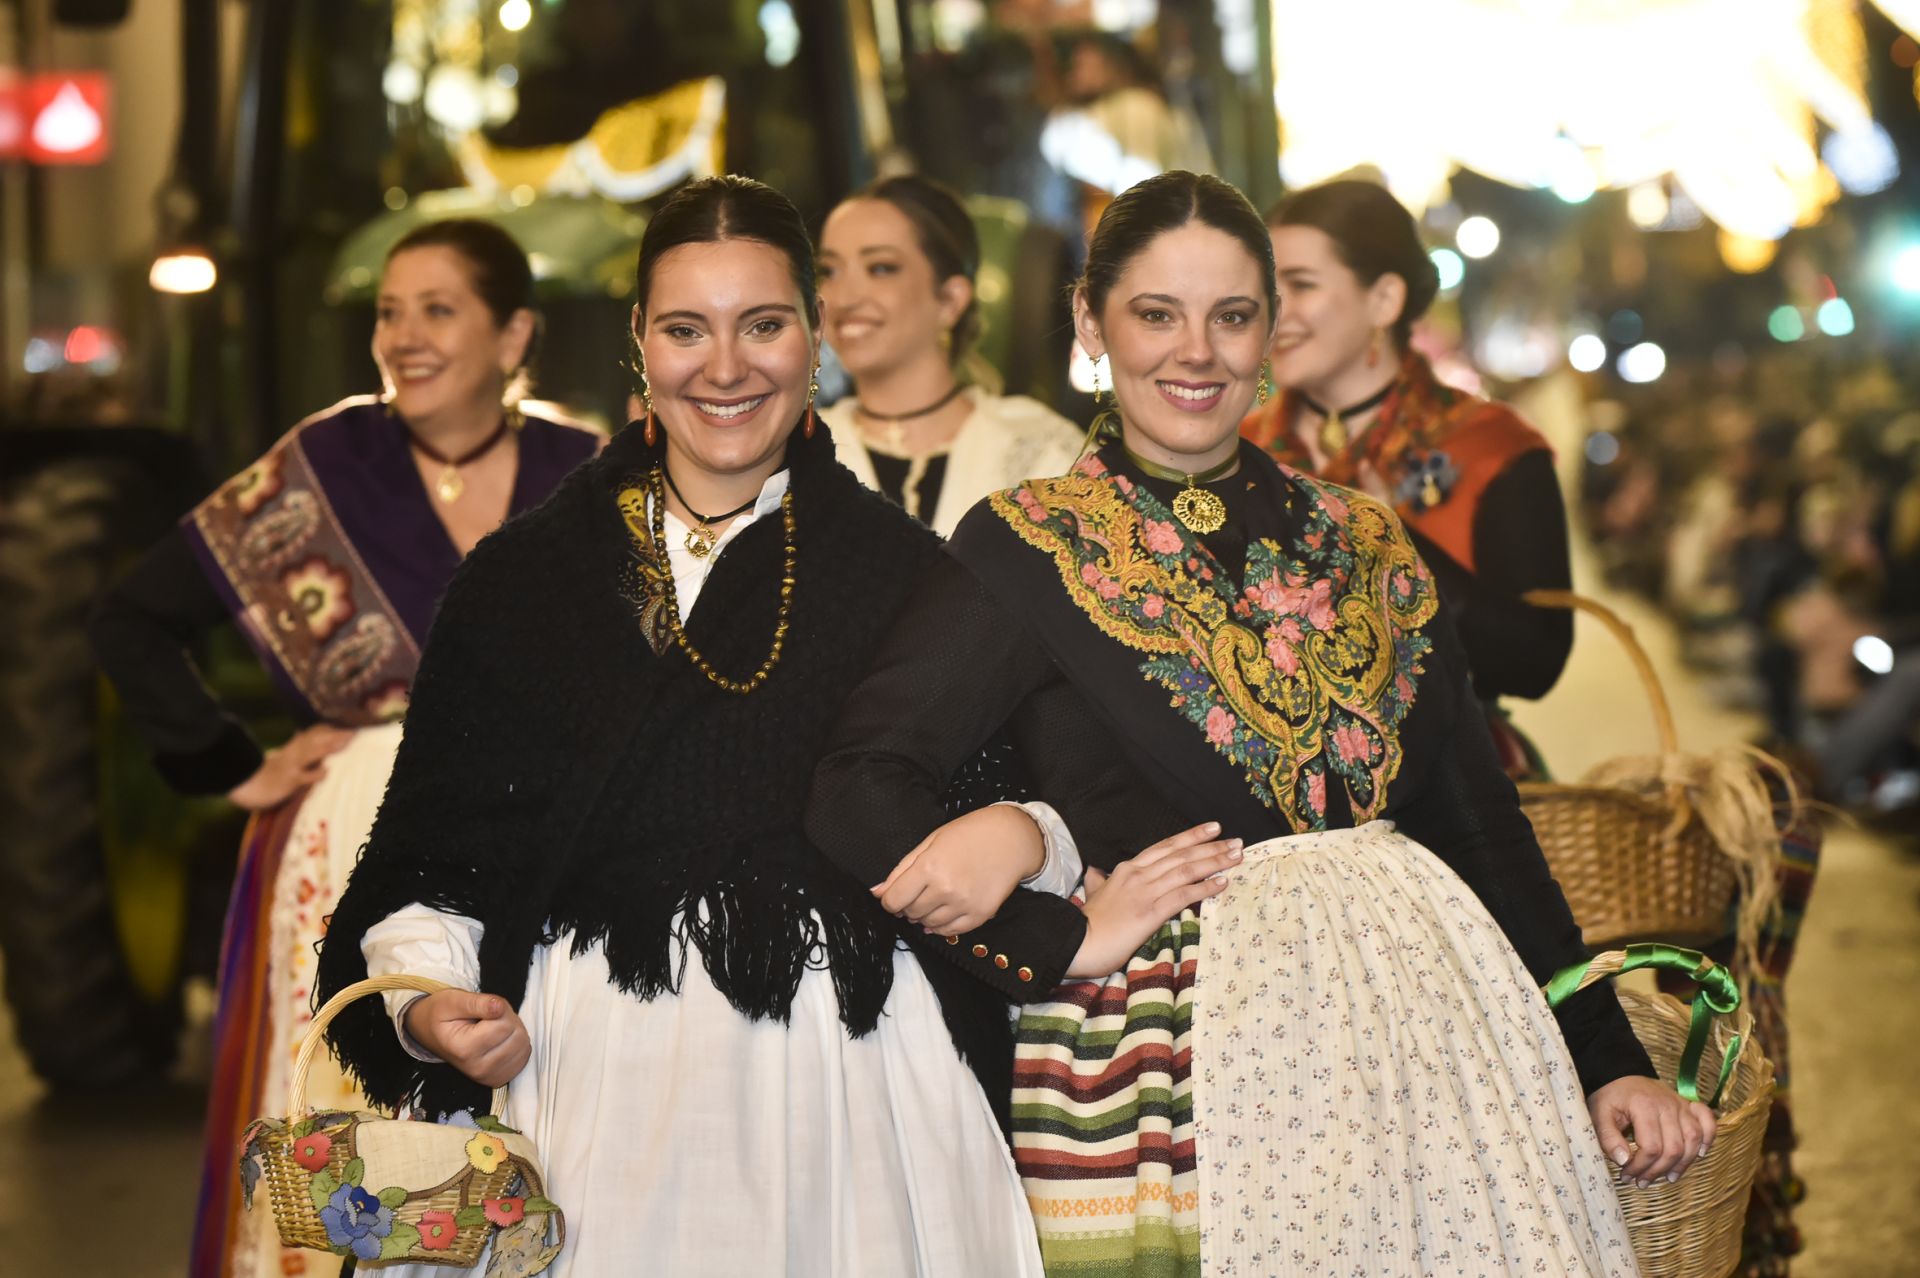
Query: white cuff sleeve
[[422, 941], [1060, 874]]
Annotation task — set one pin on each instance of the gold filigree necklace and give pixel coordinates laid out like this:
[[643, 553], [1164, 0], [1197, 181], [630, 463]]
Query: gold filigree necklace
[[701, 537], [1201, 511]]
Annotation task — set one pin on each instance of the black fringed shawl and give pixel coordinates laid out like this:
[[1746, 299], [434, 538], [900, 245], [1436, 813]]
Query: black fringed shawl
[[559, 779]]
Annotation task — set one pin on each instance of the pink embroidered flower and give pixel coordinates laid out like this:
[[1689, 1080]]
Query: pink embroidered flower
[[311, 1151], [1350, 743], [1031, 505], [1317, 793], [437, 1230], [1314, 540], [1162, 538], [505, 1211], [257, 485], [1153, 606], [1403, 686], [1102, 585], [322, 595], [1220, 727], [1333, 504], [1281, 653], [1288, 598]]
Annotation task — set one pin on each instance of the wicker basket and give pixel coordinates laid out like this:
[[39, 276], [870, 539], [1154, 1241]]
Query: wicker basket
[[1692, 1227], [462, 1185], [1632, 866]]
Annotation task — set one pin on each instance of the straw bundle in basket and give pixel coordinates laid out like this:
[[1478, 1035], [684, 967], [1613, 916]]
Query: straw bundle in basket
[[1692, 1227], [1660, 845], [384, 1189]]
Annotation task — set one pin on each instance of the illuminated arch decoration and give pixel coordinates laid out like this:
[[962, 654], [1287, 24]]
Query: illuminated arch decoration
[[632, 152], [1722, 96]]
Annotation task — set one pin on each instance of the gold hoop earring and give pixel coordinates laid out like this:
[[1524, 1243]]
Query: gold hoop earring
[[1264, 391]]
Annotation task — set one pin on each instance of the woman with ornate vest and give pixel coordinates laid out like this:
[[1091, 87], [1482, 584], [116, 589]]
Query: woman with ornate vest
[[1336, 1057], [329, 553], [925, 424], [1472, 482]]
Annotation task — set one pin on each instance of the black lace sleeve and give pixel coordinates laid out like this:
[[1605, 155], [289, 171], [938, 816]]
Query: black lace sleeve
[[958, 672]]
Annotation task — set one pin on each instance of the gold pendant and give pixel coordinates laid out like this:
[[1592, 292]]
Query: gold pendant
[[1199, 510], [700, 541], [1333, 435], [1430, 493], [449, 486]]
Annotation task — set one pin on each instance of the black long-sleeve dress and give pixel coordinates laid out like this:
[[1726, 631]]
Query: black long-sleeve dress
[[1299, 675]]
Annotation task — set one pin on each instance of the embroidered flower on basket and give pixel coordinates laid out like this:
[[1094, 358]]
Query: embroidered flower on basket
[[356, 1220], [437, 1230], [322, 595], [311, 1151], [486, 1152], [505, 1211]]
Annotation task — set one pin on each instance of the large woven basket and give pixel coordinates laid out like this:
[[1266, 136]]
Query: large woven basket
[[445, 1214], [1633, 865], [1692, 1228]]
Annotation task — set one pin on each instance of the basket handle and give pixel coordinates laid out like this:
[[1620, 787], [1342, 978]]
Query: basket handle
[[316, 1032], [1643, 666], [1718, 993]]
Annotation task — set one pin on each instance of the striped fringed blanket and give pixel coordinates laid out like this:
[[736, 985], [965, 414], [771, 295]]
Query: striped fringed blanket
[[1103, 1116]]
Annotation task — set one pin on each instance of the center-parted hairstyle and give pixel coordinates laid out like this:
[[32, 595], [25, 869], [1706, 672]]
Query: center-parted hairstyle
[[1374, 235], [1143, 212], [729, 207], [947, 239]]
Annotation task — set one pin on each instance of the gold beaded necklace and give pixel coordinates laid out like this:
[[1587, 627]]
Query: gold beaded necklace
[[657, 485]]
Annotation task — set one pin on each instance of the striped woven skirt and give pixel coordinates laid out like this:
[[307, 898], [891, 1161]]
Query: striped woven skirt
[[1337, 1066]]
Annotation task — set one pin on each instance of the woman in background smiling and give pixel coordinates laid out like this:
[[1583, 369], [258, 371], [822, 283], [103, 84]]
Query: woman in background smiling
[[897, 266]]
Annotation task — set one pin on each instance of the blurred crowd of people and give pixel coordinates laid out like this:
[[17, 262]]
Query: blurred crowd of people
[[1771, 504]]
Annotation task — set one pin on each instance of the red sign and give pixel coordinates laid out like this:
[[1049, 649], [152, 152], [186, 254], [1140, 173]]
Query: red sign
[[65, 118]]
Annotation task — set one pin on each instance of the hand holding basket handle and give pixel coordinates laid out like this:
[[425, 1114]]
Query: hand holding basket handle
[[478, 1034], [1671, 1126]]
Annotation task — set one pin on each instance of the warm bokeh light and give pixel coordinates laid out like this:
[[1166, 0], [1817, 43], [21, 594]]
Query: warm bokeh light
[[187, 271], [1746, 254], [516, 14], [1478, 237], [1587, 353]]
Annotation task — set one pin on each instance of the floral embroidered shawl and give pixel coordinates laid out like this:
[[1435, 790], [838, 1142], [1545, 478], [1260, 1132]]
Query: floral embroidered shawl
[[330, 557], [1299, 675]]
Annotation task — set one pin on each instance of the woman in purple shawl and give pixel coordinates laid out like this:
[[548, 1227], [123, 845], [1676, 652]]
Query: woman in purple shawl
[[329, 553]]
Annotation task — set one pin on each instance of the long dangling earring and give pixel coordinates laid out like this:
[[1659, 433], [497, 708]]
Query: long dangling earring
[[639, 365], [813, 389], [510, 398], [1102, 420], [1264, 390], [1373, 350]]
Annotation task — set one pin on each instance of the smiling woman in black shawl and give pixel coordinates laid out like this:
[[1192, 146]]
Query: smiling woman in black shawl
[[727, 1057]]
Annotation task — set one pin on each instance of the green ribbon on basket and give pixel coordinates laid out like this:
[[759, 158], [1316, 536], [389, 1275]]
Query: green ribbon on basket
[[1718, 993]]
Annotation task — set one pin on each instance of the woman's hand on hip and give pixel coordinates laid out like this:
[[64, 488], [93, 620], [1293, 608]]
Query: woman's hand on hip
[[1670, 1133], [478, 1034], [1128, 906], [962, 873], [291, 768]]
